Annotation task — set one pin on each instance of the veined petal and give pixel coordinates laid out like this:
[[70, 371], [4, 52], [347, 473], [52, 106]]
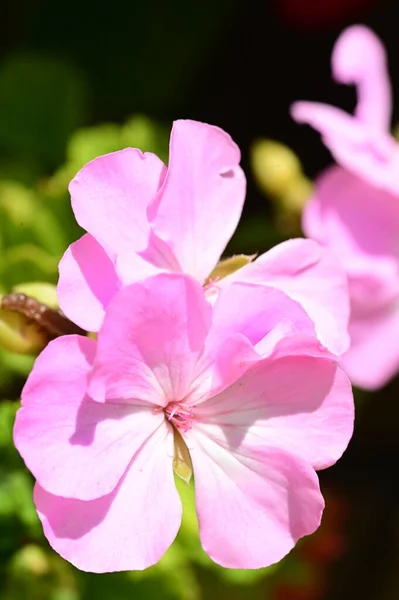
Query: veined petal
[[313, 277], [247, 322], [87, 283], [200, 202], [153, 335], [253, 310], [302, 404], [253, 507], [129, 529], [73, 446], [156, 258], [111, 195]]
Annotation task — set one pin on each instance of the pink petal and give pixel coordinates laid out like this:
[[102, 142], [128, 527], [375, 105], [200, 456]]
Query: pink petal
[[131, 528], [200, 202], [222, 362], [111, 195], [359, 58], [353, 217], [360, 225], [299, 403], [252, 507], [153, 335], [310, 275], [373, 358], [331, 122], [368, 153], [156, 258], [254, 310], [87, 283], [248, 321], [73, 446]]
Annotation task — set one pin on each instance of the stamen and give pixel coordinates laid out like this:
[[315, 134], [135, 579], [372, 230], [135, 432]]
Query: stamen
[[179, 415]]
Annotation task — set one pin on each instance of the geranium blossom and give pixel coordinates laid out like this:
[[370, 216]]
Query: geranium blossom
[[355, 207], [245, 383], [143, 218]]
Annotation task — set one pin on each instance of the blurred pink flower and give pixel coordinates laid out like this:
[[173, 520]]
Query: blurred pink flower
[[245, 383], [144, 218], [355, 208]]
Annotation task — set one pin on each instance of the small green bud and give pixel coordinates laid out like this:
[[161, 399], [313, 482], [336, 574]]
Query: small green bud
[[18, 335], [275, 167]]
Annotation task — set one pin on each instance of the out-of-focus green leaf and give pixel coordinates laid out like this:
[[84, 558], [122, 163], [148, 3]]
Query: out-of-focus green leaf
[[42, 101], [20, 364], [37, 573], [85, 144], [188, 534], [147, 135], [16, 498], [88, 143], [7, 416], [24, 218], [247, 576], [27, 261]]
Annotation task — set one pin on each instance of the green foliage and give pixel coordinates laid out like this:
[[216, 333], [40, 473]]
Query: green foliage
[[87, 143], [42, 101]]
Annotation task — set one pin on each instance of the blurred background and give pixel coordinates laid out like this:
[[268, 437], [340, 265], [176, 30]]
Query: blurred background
[[86, 78]]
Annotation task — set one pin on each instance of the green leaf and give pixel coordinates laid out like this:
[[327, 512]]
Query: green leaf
[[42, 101]]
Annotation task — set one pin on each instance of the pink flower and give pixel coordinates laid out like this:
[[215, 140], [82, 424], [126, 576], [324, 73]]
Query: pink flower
[[245, 383], [144, 218], [355, 208], [360, 143]]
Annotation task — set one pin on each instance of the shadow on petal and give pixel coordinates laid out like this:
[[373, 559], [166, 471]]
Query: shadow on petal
[[69, 518]]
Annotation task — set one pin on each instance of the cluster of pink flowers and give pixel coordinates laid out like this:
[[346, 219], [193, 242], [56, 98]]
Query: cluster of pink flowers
[[240, 379]]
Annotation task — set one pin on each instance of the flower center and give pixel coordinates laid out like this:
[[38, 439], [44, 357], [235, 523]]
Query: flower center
[[179, 415]]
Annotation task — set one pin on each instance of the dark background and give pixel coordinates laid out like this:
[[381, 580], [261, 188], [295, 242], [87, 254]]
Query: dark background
[[238, 65]]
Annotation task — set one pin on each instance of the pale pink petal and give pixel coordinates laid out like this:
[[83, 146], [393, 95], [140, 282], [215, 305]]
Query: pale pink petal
[[111, 195], [331, 122], [353, 217], [200, 202], [72, 445], [359, 58], [360, 225], [129, 529], [373, 358], [87, 283], [367, 152], [151, 340], [247, 322], [222, 362], [253, 309], [156, 258], [252, 507], [302, 404], [312, 276]]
